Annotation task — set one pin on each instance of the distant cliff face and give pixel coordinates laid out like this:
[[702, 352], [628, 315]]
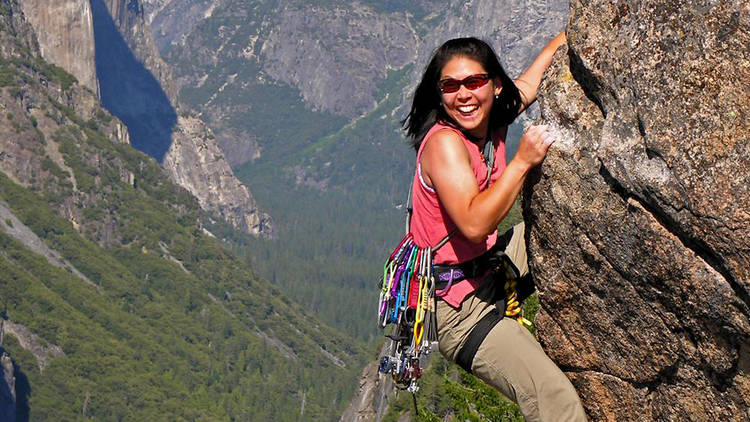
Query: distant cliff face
[[172, 20], [45, 113], [189, 153], [640, 215], [137, 86], [338, 55], [267, 73], [66, 36], [215, 186]]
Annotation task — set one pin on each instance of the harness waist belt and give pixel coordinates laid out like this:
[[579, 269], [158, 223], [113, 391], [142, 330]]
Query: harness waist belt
[[448, 274]]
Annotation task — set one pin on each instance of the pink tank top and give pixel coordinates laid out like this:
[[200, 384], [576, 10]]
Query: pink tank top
[[430, 222]]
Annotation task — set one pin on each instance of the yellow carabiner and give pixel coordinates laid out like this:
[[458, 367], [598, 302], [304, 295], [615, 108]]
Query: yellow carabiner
[[512, 306]]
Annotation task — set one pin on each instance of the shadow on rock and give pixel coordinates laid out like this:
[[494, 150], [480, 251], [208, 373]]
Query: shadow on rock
[[129, 90], [14, 396]]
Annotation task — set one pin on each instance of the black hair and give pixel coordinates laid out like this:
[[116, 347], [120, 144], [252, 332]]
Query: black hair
[[426, 108]]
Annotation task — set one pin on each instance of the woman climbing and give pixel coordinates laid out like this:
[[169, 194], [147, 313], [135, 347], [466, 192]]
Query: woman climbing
[[458, 122]]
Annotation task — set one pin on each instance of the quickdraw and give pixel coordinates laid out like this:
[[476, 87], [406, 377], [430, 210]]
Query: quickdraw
[[407, 300]]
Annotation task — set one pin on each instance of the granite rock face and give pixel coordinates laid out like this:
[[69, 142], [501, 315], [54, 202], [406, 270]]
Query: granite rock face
[[195, 160], [331, 53], [640, 216], [65, 33], [172, 20]]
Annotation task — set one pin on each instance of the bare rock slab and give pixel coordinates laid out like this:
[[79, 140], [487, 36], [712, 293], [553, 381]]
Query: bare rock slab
[[640, 216]]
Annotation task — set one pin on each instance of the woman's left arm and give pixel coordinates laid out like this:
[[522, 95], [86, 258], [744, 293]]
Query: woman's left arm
[[529, 82]]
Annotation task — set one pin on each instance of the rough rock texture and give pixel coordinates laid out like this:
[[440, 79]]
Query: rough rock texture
[[7, 386], [213, 184], [640, 216], [42, 350], [65, 33], [370, 402]]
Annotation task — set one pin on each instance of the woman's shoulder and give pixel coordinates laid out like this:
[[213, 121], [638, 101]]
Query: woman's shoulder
[[444, 145], [442, 131], [442, 138], [443, 126]]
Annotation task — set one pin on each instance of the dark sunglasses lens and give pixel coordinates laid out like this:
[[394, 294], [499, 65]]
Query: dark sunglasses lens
[[474, 82], [449, 85]]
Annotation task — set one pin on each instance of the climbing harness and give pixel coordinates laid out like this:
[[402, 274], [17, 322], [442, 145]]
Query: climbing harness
[[493, 261]]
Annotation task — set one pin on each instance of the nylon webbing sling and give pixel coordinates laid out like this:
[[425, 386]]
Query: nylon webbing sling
[[465, 357]]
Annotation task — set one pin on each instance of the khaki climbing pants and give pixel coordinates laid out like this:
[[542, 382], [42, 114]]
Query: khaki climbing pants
[[509, 358]]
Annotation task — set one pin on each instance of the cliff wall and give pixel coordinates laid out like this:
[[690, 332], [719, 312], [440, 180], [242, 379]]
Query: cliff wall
[[184, 145], [640, 216], [137, 86], [195, 161], [330, 53], [65, 34]]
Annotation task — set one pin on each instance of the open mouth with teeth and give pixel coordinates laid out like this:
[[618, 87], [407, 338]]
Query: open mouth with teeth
[[468, 109]]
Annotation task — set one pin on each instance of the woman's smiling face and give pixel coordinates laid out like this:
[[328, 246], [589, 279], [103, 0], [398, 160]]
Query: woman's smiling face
[[470, 109]]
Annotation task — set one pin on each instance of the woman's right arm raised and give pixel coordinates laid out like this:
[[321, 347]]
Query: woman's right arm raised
[[446, 166]]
